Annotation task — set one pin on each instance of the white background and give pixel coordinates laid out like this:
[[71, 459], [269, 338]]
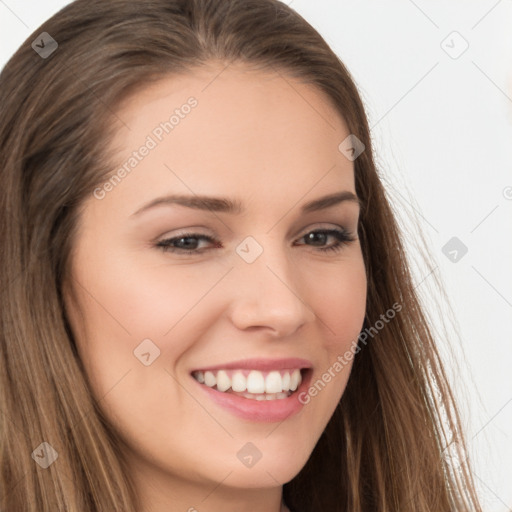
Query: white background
[[442, 129]]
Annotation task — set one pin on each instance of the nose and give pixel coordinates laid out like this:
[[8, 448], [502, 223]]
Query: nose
[[268, 295]]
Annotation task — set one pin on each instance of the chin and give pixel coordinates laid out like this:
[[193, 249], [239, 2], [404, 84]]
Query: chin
[[274, 468]]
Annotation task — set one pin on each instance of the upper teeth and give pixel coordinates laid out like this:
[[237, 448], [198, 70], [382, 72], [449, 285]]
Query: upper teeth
[[252, 381]]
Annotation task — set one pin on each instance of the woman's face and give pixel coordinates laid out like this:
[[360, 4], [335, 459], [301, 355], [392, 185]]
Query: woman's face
[[171, 293]]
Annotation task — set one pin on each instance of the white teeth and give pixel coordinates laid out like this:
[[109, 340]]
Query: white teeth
[[256, 385], [255, 382], [272, 396], [286, 381], [238, 382], [223, 381], [209, 379], [273, 383], [295, 380]]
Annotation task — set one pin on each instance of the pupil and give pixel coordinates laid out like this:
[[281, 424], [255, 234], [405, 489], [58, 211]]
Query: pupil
[[313, 235], [191, 241]]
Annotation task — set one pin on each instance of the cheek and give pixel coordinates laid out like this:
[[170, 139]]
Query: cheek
[[129, 300], [122, 305], [122, 308], [338, 296]]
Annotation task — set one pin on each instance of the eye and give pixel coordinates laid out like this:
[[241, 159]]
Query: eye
[[187, 243], [342, 237]]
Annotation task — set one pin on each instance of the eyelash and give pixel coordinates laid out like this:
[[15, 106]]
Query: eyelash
[[343, 238]]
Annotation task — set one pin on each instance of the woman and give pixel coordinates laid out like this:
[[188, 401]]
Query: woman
[[206, 302]]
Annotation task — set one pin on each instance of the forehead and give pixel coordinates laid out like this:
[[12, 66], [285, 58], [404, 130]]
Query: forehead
[[231, 129]]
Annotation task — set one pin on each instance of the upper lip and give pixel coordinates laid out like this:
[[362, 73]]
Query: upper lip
[[262, 364]]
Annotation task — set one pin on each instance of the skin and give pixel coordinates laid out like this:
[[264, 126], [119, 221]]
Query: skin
[[272, 143]]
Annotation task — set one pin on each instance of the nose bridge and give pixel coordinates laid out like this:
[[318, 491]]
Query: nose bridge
[[268, 295]]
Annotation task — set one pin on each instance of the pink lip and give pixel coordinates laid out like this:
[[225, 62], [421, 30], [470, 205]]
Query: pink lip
[[260, 410], [289, 363]]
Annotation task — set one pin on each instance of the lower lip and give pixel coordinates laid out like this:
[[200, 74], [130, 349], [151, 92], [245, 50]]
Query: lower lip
[[259, 410]]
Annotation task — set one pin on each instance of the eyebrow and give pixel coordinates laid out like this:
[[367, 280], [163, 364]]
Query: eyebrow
[[225, 205]]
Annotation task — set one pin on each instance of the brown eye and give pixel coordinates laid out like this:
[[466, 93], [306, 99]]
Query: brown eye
[[319, 237], [185, 243]]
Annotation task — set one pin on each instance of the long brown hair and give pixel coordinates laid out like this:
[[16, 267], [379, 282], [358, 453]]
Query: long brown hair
[[383, 449]]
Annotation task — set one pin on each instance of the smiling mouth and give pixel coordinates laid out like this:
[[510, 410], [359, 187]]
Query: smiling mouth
[[252, 384]]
